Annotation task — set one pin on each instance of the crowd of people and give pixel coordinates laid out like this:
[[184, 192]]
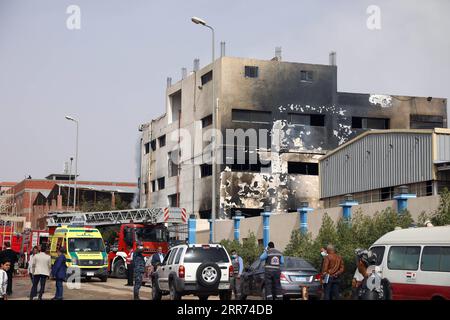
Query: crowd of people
[[39, 269]]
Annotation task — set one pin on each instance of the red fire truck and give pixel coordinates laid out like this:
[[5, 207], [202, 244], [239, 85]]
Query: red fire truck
[[150, 227]]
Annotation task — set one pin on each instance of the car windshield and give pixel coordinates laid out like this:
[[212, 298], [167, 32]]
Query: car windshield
[[85, 245], [151, 234], [206, 254], [297, 264]]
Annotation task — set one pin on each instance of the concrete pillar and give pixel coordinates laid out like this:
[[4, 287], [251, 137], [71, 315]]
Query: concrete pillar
[[347, 205], [303, 212], [266, 226], [402, 198], [237, 224], [113, 200], [192, 229], [210, 231], [58, 201]]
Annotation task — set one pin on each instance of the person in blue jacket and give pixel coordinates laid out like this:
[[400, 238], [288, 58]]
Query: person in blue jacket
[[272, 271], [59, 271]]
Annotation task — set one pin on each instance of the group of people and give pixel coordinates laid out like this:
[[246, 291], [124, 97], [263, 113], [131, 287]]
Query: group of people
[[39, 269]]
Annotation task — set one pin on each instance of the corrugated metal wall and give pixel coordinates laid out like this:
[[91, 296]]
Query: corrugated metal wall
[[443, 147], [377, 161]]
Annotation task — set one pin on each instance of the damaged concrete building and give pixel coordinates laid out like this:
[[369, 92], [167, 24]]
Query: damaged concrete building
[[298, 116]]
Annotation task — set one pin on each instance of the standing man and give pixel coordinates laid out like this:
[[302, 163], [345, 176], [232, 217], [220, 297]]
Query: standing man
[[130, 268], [139, 268], [238, 268], [42, 264], [59, 271], [333, 267], [4, 268], [273, 261], [157, 259], [12, 256], [34, 252]]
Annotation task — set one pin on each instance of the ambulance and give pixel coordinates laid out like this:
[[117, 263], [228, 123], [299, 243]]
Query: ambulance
[[85, 250]]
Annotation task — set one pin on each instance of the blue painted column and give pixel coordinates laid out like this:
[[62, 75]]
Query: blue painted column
[[303, 211], [237, 224], [402, 201], [347, 209], [192, 229], [210, 231], [266, 227]]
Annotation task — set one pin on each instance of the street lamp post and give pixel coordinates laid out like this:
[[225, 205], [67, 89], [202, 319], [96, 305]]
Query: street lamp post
[[76, 165], [214, 125], [70, 179]]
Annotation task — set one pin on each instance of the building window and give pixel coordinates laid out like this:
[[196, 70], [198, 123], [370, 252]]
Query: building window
[[370, 123], [147, 147], [251, 71], [173, 199], [387, 194], [161, 183], [306, 76], [173, 163], [252, 116], [207, 121], [417, 121], [245, 163], [305, 168], [175, 106], [205, 214], [316, 120], [403, 258], [145, 188], [153, 185], [162, 141], [205, 170], [153, 144], [207, 77]]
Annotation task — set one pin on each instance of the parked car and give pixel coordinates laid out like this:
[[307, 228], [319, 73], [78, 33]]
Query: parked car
[[295, 274], [416, 263], [199, 269]]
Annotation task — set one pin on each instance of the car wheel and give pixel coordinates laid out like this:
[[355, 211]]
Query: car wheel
[[156, 293], [88, 278], [103, 279], [120, 271], [225, 295], [208, 274], [174, 295]]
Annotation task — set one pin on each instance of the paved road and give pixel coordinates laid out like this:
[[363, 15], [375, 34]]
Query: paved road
[[113, 289]]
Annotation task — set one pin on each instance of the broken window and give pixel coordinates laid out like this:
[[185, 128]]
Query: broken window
[[162, 141], [207, 77], [153, 144], [153, 185], [370, 123], [244, 159], [205, 170], [418, 121], [173, 163], [317, 120], [305, 168], [174, 106], [207, 121], [387, 194], [251, 71], [251, 116], [161, 183], [306, 76], [205, 214], [173, 199], [147, 147]]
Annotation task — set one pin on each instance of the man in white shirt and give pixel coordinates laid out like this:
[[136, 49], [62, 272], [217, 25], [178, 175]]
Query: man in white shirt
[[4, 268], [41, 268]]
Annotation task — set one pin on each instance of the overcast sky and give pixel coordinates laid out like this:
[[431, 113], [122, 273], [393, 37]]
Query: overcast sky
[[111, 74]]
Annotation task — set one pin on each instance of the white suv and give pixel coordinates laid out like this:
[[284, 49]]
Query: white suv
[[199, 269]]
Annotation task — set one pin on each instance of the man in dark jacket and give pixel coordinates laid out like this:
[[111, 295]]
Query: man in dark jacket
[[59, 271], [157, 258], [139, 268], [273, 261], [9, 255]]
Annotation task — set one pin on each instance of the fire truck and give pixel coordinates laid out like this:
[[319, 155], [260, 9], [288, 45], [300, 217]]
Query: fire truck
[[149, 227]]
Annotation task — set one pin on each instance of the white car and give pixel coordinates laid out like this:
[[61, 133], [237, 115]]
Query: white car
[[199, 269]]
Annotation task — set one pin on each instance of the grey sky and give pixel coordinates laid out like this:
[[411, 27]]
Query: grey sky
[[112, 73]]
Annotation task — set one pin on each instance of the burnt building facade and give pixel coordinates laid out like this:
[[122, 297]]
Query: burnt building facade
[[276, 120]]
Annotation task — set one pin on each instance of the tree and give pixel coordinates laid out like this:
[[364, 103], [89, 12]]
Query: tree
[[441, 216], [249, 250]]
